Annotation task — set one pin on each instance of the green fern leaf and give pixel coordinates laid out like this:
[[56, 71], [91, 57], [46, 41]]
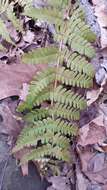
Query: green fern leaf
[[45, 131], [82, 46], [63, 96], [65, 112], [50, 15], [73, 78], [37, 114], [47, 150], [44, 55], [77, 63]]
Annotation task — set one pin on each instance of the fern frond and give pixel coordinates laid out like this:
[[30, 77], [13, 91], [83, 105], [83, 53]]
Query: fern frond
[[73, 78], [37, 114], [51, 103], [3, 31], [82, 46], [42, 80], [45, 151], [33, 100], [32, 140], [60, 141], [78, 12], [79, 27], [50, 15], [44, 131], [41, 55], [65, 112], [77, 63], [65, 128], [49, 125], [61, 95]]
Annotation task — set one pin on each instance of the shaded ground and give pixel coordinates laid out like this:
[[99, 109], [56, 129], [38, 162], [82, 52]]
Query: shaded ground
[[11, 177]]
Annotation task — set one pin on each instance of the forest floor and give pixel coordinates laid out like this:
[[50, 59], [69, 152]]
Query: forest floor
[[89, 169]]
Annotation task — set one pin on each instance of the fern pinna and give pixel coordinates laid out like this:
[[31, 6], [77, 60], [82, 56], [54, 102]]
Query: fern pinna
[[52, 105]]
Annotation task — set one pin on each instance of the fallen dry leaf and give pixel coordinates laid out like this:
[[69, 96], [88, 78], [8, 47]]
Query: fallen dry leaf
[[81, 182], [93, 165], [59, 183], [98, 177], [92, 96], [92, 133], [101, 14], [8, 124], [13, 76], [105, 187]]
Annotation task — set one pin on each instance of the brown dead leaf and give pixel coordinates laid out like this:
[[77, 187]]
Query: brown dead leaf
[[93, 95], [101, 14], [93, 165], [92, 133], [59, 183], [99, 177], [9, 124], [105, 187], [13, 76], [85, 157], [81, 183]]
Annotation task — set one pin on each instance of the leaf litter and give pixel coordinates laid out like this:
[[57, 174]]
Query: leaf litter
[[91, 146], [92, 141]]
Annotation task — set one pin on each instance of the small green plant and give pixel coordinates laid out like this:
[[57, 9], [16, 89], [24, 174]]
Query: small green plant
[[53, 103]]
